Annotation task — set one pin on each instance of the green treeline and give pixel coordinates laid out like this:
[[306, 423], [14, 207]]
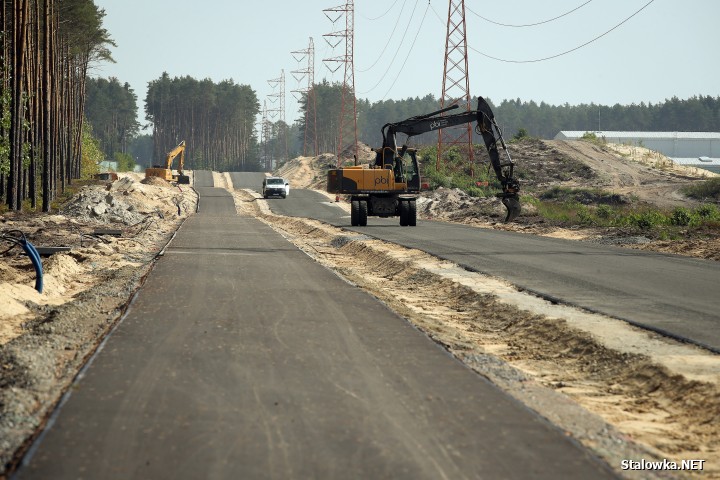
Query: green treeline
[[699, 113], [111, 109], [696, 114], [216, 121], [45, 50]]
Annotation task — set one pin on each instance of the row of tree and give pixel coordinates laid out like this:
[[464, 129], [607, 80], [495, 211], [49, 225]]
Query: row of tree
[[216, 121], [699, 113], [111, 109], [46, 47], [695, 114]]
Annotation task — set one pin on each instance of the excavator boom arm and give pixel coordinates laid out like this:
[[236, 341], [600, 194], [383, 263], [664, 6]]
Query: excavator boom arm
[[179, 150], [412, 127], [486, 126]]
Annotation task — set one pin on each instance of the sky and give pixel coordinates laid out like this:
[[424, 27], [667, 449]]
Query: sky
[[664, 48]]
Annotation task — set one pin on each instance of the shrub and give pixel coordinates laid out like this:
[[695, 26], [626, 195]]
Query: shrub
[[708, 211], [681, 217], [584, 215], [646, 220], [709, 189], [604, 212], [586, 196], [522, 133]]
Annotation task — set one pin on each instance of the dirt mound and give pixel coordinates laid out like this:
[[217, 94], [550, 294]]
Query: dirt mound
[[455, 204], [307, 172], [365, 153], [46, 337], [156, 181], [540, 164], [653, 179]]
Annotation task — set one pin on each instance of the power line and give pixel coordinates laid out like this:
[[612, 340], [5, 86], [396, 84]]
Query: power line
[[386, 44], [455, 84], [396, 51], [558, 54], [380, 16], [348, 115], [408, 55], [567, 51], [528, 24]]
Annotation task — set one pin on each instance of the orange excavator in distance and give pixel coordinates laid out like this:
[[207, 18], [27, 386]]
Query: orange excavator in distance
[[390, 186], [166, 170]]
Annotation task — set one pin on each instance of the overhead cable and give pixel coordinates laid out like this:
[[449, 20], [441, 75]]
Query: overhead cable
[[527, 24], [397, 50], [409, 51], [387, 43], [380, 16], [558, 54]]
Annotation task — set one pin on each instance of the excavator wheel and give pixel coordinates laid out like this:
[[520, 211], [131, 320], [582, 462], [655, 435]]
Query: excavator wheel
[[404, 212], [354, 213], [362, 220], [412, 213]]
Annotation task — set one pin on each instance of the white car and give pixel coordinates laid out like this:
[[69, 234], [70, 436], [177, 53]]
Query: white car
[[275, 186]]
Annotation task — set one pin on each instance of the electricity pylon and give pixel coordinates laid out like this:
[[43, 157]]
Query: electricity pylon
[[278, 85], [456, 83], [309, 94], [348, 107]]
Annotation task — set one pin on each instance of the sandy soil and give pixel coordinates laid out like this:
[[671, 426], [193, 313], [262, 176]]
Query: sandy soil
[[637, 171], [45, 339], [623, 392]]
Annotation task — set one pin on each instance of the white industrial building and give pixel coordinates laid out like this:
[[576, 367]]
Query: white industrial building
[[697, 149]]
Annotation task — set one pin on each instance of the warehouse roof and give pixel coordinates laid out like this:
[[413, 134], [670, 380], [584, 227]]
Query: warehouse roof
[[700, 161], [614, 134]]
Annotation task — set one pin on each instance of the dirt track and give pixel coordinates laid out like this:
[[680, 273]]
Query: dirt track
[[658, 186]]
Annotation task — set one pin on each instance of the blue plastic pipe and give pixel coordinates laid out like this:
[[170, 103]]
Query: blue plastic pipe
[[35, 259]]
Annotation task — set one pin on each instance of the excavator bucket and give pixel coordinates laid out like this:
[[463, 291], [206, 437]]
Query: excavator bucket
[[512, 203]]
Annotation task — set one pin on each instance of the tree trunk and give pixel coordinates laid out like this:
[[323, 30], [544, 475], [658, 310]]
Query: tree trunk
[[17, 109]]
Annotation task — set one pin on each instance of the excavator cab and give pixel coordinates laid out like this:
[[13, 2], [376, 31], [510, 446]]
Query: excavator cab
[[407, 169]]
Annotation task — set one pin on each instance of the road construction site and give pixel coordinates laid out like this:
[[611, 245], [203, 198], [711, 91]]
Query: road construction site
[[416, 376]]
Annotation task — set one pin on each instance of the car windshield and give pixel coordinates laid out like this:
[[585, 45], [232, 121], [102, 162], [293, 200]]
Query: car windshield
[[275, 181]]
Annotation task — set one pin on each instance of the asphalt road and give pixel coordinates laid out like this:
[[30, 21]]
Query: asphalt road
[[243, 358], [675, 295]]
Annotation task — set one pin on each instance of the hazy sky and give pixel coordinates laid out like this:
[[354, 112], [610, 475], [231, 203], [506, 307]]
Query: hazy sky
[[667, 49]]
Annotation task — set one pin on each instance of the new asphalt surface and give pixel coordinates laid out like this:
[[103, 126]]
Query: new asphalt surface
[[241, 357], [670, 294]]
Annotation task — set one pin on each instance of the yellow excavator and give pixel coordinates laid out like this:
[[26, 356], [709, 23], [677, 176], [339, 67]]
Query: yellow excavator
[[390, 187], [165, 171]]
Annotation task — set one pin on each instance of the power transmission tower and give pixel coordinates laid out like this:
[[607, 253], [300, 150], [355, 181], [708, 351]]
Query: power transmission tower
[[309, 94], [456, 83], [348, 107], [278, 85], [264, 136]]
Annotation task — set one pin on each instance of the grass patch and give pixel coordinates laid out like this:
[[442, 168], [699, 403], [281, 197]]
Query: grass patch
[[570, 207], [584, 196], [454, 173], [708, 190]]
